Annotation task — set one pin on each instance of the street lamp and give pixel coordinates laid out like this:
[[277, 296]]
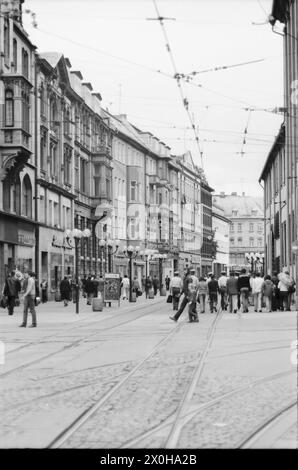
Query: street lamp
[[148, 254], [131, 253], [109, 248], [77, 235]]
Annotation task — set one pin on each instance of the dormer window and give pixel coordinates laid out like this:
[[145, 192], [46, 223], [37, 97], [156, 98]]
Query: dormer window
[[234, 213]]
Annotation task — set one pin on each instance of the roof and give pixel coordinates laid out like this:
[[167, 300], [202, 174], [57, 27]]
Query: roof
[[277, 145], [51, 57], [243, 204]]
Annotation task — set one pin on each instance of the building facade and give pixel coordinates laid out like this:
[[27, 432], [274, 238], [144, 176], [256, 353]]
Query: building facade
[[221, 230], [64, 161], [18, 216], [246, 234], [282, 178]]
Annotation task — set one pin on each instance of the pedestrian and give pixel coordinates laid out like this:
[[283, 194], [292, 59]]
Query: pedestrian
[[148, 285], [65, 290], [89, 289], [256, 284], [11, 290], [213, 290], [136, 286], [244, 288], [186, 280], [222, 284], [175, 287], [232, 292], [125, 287], [202, 293], [267, 291], [44, 291], [285, 285], [276, 292], [167, 282], [143, 283], [29, 299], [192, 301], [155, 284]]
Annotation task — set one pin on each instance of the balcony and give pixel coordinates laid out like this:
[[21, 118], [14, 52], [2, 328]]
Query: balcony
[[102, 154], [153, 179]]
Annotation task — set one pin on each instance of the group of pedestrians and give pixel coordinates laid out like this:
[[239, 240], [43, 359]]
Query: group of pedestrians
[[17, 283], [234, 293]]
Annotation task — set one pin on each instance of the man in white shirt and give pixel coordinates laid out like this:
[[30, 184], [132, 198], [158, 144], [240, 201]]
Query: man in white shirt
[[256, 284], [29, 299], [125, 288], [176, 286], [222, 284]]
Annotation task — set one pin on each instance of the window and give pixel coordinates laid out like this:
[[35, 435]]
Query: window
[[251, 227], [232, 227], [25, 63], [43, 150], [16, 198], [67, 164], [56, 215], [27, 197], [132, 226], [239, 241], [50, 219], [15, 55], [260, 228], [234, 213], [239, 227], [53, 159], [42, 209], [53, 112], [25, 112], [133, 190], [251, 242], [83, 175], [9, 108], [260, 242], [6, 40], [42, 100], [67, 122]]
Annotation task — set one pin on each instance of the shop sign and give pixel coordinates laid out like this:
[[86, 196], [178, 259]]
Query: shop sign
[[26, 238]]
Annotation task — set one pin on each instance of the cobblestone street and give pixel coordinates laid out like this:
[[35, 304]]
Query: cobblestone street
[[130, 377]]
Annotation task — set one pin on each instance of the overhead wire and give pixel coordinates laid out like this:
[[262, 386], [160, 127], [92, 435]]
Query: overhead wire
[[183, 98]]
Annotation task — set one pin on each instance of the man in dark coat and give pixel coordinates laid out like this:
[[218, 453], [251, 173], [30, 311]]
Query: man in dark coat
[[155, 283], [11, 290], [89, 288], [65, 289]]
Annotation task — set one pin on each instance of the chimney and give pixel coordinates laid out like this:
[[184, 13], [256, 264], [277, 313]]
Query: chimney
[[243, 194], [233, 194], [222, 194]]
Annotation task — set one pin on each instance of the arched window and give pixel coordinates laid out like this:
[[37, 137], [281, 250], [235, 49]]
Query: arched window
[[53, 112], [9, 108], [7, 193], [16, 196], [27, 197]]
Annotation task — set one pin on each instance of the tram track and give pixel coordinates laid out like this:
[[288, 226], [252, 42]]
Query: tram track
[[81, 339], [90, 411], [272, 428], [196, 410]]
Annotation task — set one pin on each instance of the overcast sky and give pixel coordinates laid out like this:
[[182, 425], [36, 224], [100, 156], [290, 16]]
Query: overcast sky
[[122, 54]]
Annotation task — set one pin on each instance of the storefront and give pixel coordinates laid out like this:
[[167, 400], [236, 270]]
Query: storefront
[[17, 245]]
